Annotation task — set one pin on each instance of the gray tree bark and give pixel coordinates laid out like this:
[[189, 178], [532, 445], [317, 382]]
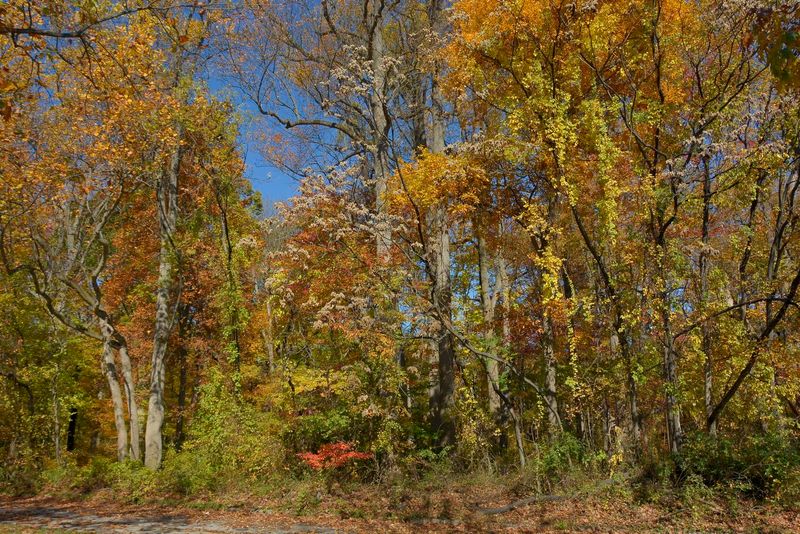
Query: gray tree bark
[[488, 303], [674, 431], [621, 345], [110, 371], [167, 204], [437, 252], [269, 340], [130, 393], [708, 364], [380, 134], [444, 401], [553, 418]]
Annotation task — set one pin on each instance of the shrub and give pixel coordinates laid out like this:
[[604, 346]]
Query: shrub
[[332, 461], [229, 442], [762, 465], [68, 477], [314, 430], [188, 473], [332, 456], [130, 480]]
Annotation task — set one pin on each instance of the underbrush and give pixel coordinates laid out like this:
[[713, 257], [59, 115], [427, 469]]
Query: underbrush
[[762, 467], [235, 454], [688, 494], [240, 461], [231, 446]]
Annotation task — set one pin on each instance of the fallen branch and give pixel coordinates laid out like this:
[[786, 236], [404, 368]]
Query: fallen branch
[[522, 502], [534, 499]]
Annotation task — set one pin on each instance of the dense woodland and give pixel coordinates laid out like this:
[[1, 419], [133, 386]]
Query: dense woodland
[[528, 235]]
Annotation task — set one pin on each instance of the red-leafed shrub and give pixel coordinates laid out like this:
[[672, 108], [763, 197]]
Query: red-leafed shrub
[[332, 455]]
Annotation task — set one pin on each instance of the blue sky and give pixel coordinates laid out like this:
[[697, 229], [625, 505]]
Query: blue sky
[[273, 184]]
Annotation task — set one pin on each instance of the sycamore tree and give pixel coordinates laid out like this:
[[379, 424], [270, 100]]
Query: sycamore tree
[[101, 120]]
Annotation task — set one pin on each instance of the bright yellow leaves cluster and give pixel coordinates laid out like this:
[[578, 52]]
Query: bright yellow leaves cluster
[[458, 181]]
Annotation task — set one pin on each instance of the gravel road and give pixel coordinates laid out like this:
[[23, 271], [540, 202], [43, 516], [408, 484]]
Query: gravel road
[[41, 518]]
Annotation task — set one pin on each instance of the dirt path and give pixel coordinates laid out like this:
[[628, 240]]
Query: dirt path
[[24, 517], [47, 514]]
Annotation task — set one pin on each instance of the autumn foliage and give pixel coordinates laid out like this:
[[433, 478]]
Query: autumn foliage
[[527, 237], [332, 456]]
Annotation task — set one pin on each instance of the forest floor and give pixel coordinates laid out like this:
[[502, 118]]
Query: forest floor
[[46, 515], [455, 508]]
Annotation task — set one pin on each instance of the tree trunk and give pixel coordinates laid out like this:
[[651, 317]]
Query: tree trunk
[[381, 126], [438, 252], [182, 381], [488, 302], [505, 293], [56, 419], [270, 337], [708, 364], [130, 393], [622, 345], [110, 370], [518, 438], [443, 413], [551, 400], [608, 439], [234, 334], [167, 203], [542, 244], [72, 429], [674, 432]]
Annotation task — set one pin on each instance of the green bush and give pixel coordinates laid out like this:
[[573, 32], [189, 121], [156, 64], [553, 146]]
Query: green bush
[[188, 473], [560, 454], [20, 477], [312, 431], [761, 465], [553, 462], [131, 480], [229, 442], [68, 477]]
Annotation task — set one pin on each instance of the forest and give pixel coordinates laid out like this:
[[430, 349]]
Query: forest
[[544, 247]]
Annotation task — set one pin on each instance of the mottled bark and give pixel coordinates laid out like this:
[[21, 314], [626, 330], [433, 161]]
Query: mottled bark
[[553, 418], [674, 431], [180, 416], [444, 401], [167, 204], [56, 419], [621, 345], [110, 371], [270, 337], [130, 393], [488, 303], [380, 133], [505, 293], [439, 260]]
